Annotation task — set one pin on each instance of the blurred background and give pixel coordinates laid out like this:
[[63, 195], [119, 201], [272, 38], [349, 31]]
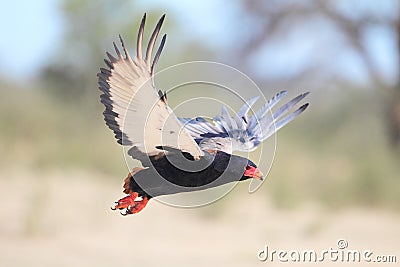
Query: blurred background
[[336, 170]]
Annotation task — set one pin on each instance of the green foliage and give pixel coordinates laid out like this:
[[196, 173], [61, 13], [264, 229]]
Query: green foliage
[[335, 154], [39, 132]]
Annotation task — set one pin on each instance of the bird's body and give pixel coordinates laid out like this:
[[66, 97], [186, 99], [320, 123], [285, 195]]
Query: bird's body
[[177, 173], [178, 154]]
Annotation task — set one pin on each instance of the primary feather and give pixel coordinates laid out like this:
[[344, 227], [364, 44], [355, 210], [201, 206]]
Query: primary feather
[[134, 109], [241, 132]]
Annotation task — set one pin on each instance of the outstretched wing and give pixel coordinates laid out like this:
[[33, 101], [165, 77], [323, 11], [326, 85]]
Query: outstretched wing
[[241, 133], [136, 112]]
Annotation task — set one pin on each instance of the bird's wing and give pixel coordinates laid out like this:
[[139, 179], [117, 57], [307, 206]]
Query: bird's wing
[[241, 132], [136, 112]]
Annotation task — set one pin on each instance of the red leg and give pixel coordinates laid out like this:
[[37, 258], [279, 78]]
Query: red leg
[[125, 202], [139, 205], [130, 204]]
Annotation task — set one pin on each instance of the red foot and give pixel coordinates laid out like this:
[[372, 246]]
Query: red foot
[[138, 206], [130, 204], [125, 202]]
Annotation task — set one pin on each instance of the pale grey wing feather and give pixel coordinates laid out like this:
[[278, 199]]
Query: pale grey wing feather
[[138, 115], [266, 108], [241, 133], [198, 126], [267, 123], [279, 124], [244, 110], [229, 121]]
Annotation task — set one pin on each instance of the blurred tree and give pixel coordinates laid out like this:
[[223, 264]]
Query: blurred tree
[[331, 32], [322, 35], [90, 29]]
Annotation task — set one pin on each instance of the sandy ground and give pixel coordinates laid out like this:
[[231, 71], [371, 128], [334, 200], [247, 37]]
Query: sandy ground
[[53, 219]]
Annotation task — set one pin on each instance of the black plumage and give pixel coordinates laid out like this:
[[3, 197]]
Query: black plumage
[[178, 172], [177, 154]]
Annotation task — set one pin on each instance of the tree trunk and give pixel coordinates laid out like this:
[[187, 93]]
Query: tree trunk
[[394, 116]]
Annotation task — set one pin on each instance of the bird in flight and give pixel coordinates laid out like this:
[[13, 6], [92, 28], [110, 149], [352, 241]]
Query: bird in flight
[[178, 154]]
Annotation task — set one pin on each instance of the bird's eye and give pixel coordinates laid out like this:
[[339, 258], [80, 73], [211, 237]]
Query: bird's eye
[[247, 167]]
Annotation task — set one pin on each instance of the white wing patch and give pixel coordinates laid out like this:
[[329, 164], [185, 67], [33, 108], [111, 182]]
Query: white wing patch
[[135, 111]]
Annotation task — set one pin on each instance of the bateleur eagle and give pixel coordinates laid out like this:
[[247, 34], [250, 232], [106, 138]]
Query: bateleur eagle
[[178, 154]]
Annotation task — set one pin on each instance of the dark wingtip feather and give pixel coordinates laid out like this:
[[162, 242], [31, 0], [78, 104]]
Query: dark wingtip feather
[[303, 107], [111, 57], [143, 21], [105, 72], [108, 63], [158, 53], [153, 38], [140, 37], [117, 50], [124, 47], [160, 22], [282, 92]]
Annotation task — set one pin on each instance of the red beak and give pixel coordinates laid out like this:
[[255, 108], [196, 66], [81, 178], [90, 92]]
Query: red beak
[[253, 172], [258, 175]]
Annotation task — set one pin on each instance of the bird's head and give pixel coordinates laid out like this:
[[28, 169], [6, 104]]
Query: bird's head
[[235, 166], [251, 171]]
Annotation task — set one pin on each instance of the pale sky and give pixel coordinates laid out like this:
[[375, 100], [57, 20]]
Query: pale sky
[[32, 30], [26, 28]]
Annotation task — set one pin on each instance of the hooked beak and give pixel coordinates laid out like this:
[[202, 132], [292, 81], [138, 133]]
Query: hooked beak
[[258, 175]]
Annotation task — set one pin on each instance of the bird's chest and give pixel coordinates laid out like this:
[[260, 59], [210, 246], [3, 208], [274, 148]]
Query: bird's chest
[[187, 174]]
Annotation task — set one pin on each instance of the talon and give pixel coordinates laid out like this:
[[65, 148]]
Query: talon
[[130, 205], [127, 212], [125, 202]]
